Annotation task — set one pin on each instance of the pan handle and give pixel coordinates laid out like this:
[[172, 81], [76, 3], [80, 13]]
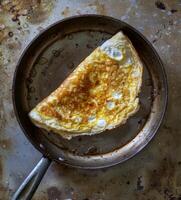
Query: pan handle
[[30, 184]]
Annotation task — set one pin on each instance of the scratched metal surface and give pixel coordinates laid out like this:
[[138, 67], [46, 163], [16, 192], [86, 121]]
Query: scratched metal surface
[[155, 172]]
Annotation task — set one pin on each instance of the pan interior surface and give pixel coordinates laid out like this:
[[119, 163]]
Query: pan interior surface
[[49, 60], [50, 69]]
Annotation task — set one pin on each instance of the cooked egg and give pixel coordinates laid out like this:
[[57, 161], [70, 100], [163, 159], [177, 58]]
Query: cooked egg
[[91, 118], [101, 93], [116, 95], [110, 105], [101, 122]]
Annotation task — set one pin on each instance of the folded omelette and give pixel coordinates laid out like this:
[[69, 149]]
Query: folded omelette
[[100, 94]]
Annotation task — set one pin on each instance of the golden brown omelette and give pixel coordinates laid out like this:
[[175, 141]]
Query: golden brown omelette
[[101, 93]]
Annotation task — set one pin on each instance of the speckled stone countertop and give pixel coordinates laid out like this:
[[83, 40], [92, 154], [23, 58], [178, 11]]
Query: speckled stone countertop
[[154, 174]]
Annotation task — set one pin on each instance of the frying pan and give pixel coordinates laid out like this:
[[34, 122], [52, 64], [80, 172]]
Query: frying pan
[[45, 63]]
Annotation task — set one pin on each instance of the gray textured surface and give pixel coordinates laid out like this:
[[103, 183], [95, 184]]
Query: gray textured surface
[[152, 174]]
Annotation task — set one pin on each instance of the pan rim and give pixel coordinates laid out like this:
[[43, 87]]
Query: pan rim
[[92, 16]]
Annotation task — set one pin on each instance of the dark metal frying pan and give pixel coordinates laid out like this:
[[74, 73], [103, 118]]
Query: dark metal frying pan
[[45, 63]]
